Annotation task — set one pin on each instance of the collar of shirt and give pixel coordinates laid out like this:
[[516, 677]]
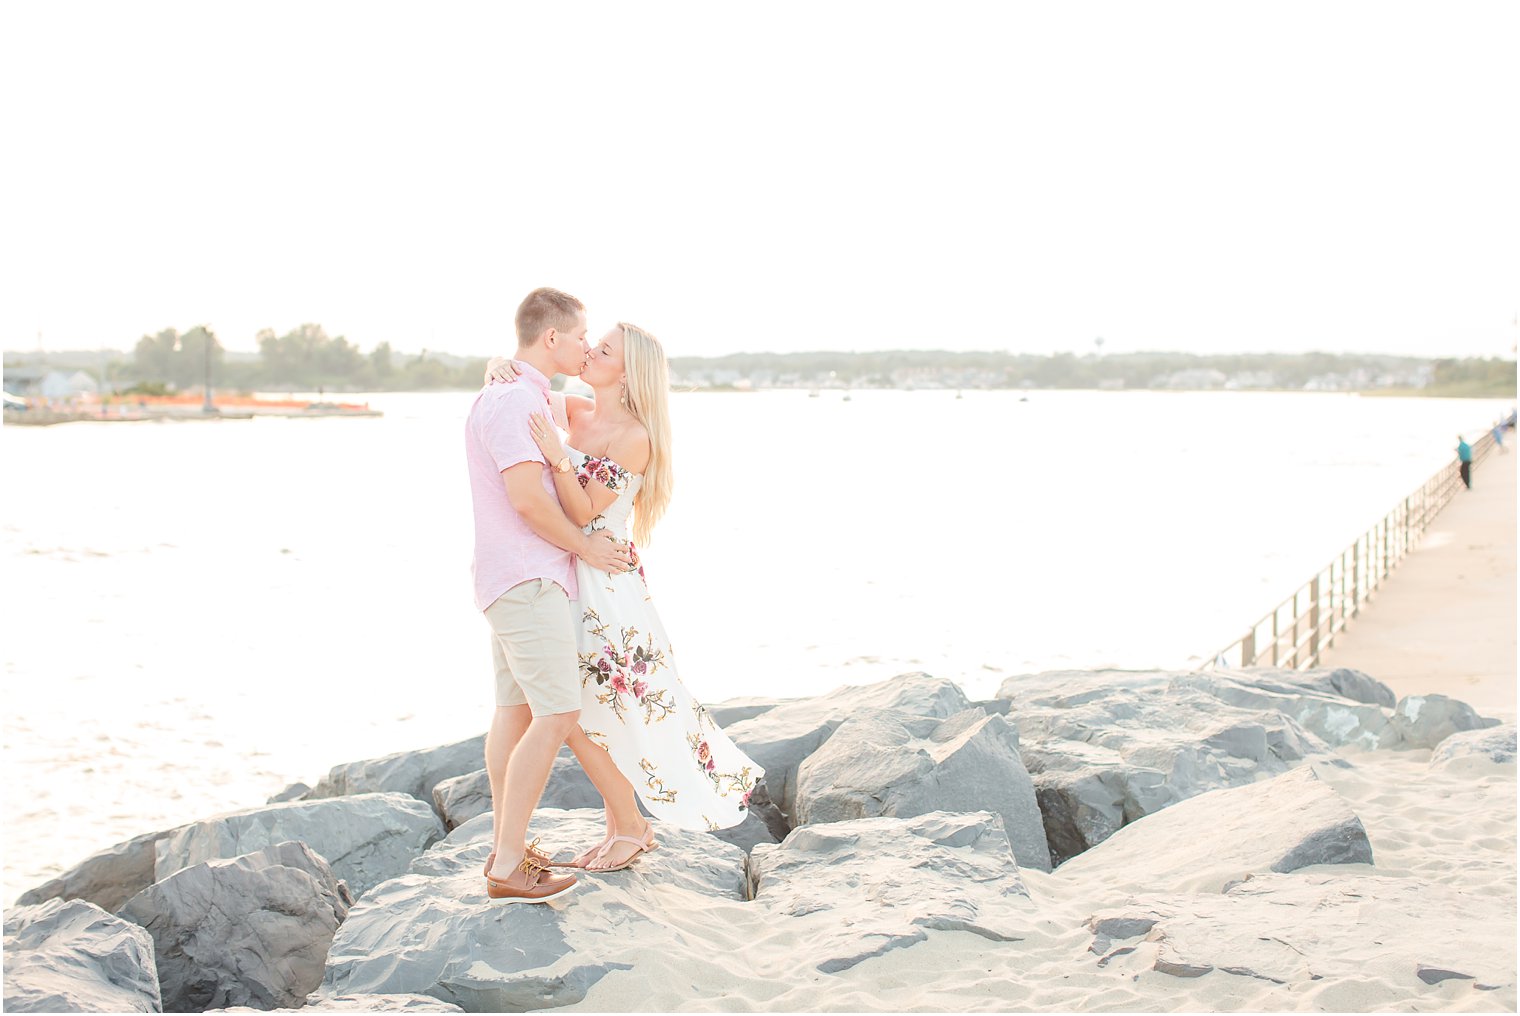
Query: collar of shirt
[[528, 372]]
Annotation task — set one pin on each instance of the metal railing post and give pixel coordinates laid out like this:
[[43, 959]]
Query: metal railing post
[[1314, 622], [1356, 577]]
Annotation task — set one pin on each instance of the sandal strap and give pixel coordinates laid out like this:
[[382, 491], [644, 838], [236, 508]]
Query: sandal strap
[[641, 844]]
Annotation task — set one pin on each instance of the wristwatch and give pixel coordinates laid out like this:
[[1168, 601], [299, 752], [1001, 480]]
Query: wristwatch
[[563, 465]]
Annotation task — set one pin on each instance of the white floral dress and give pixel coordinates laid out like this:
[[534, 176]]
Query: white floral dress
[[632, 703]]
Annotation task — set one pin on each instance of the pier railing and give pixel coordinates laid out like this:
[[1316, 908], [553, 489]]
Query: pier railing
[[1303, 626]]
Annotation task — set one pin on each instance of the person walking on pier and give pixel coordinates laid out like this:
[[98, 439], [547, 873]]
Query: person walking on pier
[[1464, 456]]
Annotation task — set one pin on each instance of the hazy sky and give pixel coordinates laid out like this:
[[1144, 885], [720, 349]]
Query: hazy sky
[[1205, 177]]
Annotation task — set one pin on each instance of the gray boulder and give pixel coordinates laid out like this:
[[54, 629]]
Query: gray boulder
[[830, 896], [317, 1002], [107, 879], [763, 823], [1209, 841], [735, 709], [252, 930], [461, 798], [367, 838], [1068, 689], [569, 786], [407, 772], [1107, 747], [1302, 927], [1496, 744], [434, 932], [1424, 721], [849, 891], [72, 956], [1339, 682], [888, 763], [293, 792], [782, 736], [1317, 700]]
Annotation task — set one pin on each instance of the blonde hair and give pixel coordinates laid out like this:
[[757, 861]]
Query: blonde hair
[[648, 394]]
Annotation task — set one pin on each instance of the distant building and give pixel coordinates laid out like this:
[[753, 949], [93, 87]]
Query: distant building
[[1252, 379], [1328, 383], [25, 380], [1194, 378], [40, 382]]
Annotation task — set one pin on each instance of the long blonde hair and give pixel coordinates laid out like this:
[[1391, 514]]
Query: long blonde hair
[[648, 393]]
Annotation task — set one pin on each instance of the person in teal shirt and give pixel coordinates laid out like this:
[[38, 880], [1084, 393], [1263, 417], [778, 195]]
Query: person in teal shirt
[[1464, 456]]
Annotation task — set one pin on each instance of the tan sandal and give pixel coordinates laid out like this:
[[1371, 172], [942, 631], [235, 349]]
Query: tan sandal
[[646, 844], [595, 852]]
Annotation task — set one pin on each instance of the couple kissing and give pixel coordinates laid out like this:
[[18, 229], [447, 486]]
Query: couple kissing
[[559, 483]]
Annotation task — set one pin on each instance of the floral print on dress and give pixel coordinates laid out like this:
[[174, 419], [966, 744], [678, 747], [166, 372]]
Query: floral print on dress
[[622, 668], [658, 790], [723, 783], [604, 471], [685, 769]]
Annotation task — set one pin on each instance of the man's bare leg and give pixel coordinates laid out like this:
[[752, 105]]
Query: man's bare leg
[[618, 797], [508, 724], [527, 771]]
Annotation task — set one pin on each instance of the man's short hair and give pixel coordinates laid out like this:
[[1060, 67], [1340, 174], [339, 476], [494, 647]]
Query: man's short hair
[[545, 308]]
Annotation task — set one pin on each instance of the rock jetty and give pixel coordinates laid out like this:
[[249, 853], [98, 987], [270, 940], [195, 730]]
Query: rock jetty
[[1081, 833]]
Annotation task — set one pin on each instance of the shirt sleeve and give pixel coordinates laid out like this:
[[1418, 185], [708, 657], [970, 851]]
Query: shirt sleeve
[[504, 429]]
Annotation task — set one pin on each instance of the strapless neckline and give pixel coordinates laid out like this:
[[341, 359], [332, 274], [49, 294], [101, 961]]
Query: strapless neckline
[[622, 470]]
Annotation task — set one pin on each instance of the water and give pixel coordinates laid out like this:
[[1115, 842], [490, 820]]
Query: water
[[199, 613]]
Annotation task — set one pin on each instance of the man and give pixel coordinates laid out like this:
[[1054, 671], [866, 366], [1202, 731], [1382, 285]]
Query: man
[[1464, 456], [524, 572]]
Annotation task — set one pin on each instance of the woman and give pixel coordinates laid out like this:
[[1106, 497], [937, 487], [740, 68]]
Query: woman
[[666, 747]]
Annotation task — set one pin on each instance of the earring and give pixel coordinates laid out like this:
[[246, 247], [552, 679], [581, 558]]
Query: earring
[[623, 394]]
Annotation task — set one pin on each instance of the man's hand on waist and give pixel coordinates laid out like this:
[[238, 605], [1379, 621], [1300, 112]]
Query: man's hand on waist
[[604, 553]]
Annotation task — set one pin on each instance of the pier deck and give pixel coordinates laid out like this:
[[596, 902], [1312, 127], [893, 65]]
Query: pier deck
[[1445, 621]]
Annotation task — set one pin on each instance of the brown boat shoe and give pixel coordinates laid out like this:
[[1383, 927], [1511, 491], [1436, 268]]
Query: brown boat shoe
[[529, 883], [531, 850]]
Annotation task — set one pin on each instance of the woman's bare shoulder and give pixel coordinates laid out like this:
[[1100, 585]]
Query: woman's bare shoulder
[[578, 404], [630, 448]]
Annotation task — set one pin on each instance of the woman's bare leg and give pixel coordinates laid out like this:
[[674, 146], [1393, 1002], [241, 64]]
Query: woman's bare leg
[[618, 796]]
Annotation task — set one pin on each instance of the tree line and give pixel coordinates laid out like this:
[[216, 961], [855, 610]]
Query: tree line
[[306, 358], [1474, 376]]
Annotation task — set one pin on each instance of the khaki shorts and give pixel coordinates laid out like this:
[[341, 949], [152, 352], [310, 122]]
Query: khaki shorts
[[533, 648]]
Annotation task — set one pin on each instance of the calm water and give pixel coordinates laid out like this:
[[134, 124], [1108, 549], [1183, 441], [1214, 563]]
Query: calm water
[[199, 613]]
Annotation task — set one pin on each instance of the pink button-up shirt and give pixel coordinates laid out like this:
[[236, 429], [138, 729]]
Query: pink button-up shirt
[[496, 437]]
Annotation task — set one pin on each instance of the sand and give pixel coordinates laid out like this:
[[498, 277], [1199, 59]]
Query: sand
[[1454, 826]]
